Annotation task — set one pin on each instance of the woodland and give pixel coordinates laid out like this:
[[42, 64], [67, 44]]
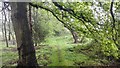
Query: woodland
[[37, 34]]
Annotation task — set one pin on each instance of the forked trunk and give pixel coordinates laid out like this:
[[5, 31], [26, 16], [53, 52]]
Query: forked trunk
[[75, 36]]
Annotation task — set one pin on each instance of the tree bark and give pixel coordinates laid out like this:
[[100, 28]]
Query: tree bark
[[9, 26], [5, 31], [3, 28], [6, 40], [35, 29], [75, 36], [30, 19], [23, 34]]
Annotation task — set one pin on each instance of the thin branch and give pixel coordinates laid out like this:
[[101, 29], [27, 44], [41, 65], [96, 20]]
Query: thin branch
[[112, 14], [62, 8], [113, 22], [6, 6]]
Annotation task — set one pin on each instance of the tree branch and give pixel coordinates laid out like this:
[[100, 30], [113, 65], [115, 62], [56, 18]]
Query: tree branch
[[112, 14], [38, 6], [70, 11], [113, 22], [64, 9], [6, 6]]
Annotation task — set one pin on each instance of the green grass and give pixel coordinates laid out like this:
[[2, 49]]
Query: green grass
[[66, 57], [9, 54], [59, 44], [0, 55], [54, 51]]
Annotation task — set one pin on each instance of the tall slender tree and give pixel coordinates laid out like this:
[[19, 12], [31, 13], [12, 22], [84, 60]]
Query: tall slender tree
[[5, 28]]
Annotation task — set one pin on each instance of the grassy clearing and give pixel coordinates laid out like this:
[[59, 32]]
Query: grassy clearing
[[55, 51], [61, 55], [59, 44]]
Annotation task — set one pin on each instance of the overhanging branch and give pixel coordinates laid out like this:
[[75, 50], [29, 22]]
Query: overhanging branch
[[70, 11], [39, 6]]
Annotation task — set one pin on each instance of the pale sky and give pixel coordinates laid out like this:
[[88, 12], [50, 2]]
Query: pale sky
[[59, 0]]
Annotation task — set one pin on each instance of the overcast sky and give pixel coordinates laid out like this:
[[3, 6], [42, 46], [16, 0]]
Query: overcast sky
[[59, 0]]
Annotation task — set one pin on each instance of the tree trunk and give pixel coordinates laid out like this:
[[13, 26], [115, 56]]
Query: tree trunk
[[3, 28], [9, 27], [75, 36], [23, 34], [30, 20], [35, 18], [5, 34], [5, 31]]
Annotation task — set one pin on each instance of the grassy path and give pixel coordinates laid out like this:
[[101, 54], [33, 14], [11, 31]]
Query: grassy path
[[59, 53], [61, 56], [54, 52]]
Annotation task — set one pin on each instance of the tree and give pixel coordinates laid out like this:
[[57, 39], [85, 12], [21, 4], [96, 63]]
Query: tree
[[103, 29], [5, 29], [39, 30], [23, 34], [60, 16]]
